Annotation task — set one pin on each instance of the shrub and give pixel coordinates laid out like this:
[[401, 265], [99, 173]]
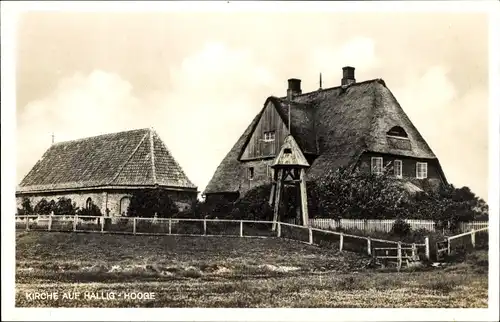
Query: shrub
[[93, 210], [400, 228], [151, 202], [26, 208], [63, 206], [343, 194], [43, 207]]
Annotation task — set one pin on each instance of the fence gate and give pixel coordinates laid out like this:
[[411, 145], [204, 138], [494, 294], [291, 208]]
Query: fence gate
[[441, 249]]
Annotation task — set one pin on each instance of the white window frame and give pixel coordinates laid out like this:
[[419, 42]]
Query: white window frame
[[374, 160], [269, 136], [251, 173], [421, 174], [398, 165]]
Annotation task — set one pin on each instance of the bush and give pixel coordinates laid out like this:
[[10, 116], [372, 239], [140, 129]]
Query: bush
[[45, 208], [151, 202], [26, 208], [400, 228], [343, 194], [93, 210], [64, 207]]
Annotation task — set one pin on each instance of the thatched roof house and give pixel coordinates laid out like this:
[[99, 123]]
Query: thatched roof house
[[354, 125], [106, 169]]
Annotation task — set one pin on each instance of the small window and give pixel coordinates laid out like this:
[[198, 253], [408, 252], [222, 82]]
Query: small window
[[397, 131], [88, 204], [287, 151], [421, 170], [398, 168], [377, 163], [269, 136], [250, 173]]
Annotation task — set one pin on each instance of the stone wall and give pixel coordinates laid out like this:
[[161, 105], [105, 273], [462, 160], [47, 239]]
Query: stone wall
[[111, 199]]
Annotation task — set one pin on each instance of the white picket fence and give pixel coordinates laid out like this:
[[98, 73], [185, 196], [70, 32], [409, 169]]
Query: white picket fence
[[384, 225]]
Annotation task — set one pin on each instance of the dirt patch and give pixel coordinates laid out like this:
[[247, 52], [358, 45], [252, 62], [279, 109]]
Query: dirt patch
[[281, 269]]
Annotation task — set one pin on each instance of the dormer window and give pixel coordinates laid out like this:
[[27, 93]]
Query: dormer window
[[397, 131], [269, 136]]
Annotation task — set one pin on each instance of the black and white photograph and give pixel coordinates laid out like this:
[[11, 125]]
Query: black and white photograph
[[226, 155]]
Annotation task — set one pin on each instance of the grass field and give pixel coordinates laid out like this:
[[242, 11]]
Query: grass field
[[226, 272]]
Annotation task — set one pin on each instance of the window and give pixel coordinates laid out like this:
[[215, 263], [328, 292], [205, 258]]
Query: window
[[269, 136], [287, 151], [398, 168], [250, 173], [377, 164], [124, 203], [397, 131], [88, 204], [421, 170]]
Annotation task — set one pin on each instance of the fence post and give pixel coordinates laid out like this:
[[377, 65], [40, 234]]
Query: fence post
[[449, 246], [413, 250], [310, 236], [74, 222], [369, 242], [170, 226], [27, 223], [400, 259], [427, 249], [49, 227], [204, 226], [241, 228], [473, 238], [279, 229], [341, 241], [134, 225]]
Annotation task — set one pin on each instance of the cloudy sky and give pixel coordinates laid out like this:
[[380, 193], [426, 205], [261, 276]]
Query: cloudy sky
[[198, 79]]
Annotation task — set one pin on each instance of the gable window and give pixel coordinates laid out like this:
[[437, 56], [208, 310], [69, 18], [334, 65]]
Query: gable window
[[397, 131], [269, 136], [287, 151], [398, 168], [377, 163], [250, 173], [421, 170]]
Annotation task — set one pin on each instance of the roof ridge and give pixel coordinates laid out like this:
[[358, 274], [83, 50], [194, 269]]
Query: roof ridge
[[151, 144], [378, 80], [180, 169], [128, 159], [97, 136]]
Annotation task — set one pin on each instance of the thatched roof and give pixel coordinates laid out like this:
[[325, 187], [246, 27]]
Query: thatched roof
[[136, 158], [337, 125]]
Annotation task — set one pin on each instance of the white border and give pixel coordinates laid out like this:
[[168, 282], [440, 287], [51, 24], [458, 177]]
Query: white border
[[9, 13]]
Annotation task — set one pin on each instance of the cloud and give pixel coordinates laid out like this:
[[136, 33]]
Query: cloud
[[210, 102], [454, 125], [215, 92]]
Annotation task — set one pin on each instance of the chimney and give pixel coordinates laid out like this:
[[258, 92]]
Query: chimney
[[348, 76], [293, 88]]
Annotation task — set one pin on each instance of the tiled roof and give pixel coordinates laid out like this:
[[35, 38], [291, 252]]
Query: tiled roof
[[129, 158]]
